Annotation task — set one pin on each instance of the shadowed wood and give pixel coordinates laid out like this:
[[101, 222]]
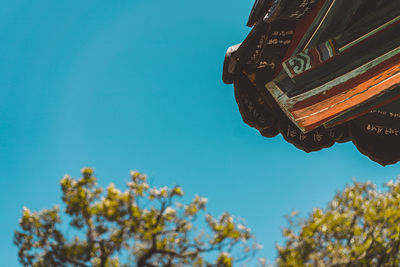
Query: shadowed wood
[[321, 72], [317, 114]]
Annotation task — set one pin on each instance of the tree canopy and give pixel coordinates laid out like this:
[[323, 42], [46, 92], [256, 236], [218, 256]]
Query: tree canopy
[[146, 226], [141, 226], [359, 227]]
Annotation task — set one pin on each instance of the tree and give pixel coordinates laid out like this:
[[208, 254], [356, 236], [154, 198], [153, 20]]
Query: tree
[[140, 226], [360, 227]]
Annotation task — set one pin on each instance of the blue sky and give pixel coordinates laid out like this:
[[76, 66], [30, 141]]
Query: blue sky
[[134, 84]]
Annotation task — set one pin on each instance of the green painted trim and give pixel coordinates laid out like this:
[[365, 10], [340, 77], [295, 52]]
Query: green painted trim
[[320, 24], [285, 67], [276, 93], [315, 26], [365, 36], [329, 45], [344, 100], [346, 77], [287, 103]]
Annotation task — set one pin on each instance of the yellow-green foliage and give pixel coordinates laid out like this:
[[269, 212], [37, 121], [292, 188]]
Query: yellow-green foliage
[[360, 227], [145, 224]]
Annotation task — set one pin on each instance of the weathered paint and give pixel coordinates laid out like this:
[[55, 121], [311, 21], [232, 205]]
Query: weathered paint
[[365, 36], [307, 110], [317, 114]]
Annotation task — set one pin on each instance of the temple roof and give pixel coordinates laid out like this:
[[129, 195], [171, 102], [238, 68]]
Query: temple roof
[[320, 72]]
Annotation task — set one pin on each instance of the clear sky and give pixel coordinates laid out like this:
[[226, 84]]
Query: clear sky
[[134, 84]]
